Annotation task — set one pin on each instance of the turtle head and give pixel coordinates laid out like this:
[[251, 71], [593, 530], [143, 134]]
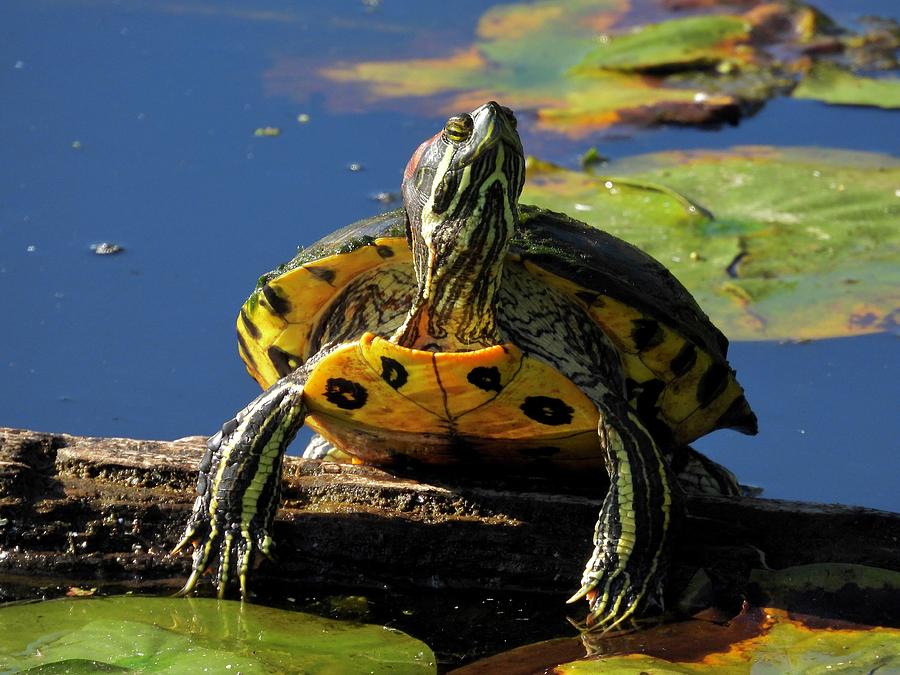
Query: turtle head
[[475, 160], [460, 191]]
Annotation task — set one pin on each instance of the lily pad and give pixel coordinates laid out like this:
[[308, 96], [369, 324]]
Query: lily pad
[[784, 645], [853, 592], [153, 635], [583, 65], [832, 84], [775, 243], [756, 641], [693, 41], [578, 67]]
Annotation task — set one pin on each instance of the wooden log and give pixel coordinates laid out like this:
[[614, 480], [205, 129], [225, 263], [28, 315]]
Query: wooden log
[[107, 511]]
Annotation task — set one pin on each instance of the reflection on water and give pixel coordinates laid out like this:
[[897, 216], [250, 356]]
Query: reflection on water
[[133, 123]]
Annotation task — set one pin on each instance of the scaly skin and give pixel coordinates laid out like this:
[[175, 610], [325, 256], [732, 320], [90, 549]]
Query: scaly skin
[[624, 575], [460, 190], [239, 486]]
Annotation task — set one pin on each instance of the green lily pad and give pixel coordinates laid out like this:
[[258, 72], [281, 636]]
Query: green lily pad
[[693, 41], [570, 65], [853, 592], [832, 84], [153, 635], [775, 243], [824, 577]]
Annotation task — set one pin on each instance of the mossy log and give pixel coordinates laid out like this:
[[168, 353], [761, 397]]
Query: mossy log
[[106, 511]]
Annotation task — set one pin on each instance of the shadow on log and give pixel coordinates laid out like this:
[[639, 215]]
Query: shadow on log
[[107, 510]]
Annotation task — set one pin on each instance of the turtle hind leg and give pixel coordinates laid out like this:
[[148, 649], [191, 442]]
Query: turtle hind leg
[[642, 510], [239, 486]]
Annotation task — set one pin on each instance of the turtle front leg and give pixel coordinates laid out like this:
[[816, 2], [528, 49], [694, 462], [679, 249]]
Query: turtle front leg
[[239, 486], [635, 529]]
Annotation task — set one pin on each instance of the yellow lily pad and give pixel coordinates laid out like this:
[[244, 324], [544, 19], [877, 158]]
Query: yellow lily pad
[[775, 243]]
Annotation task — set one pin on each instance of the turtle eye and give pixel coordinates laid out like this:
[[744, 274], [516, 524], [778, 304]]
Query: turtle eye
[[458, 128]]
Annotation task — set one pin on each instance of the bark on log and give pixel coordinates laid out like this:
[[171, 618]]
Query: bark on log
[[107, 511]]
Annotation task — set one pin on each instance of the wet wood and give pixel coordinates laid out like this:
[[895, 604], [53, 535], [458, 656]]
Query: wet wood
[[107, 511]]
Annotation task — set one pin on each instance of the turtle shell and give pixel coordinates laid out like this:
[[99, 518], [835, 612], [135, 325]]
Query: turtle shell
[[360, 278]]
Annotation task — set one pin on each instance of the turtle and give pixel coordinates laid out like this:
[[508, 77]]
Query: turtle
[[466, 330]]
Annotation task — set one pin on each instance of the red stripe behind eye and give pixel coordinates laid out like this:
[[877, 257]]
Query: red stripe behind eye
[[413, 162]]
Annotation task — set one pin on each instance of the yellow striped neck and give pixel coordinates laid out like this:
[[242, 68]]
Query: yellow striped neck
[[459, 265]]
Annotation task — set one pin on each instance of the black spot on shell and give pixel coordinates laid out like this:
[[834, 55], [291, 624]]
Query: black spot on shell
[[284, 362], [245, 353], [385, 251], [229, 427], [393, 372], [485, 378], [278, 304], [684, 360], [712, 383], [547, 410], [646, 334], [322, 273], [345, 394], [647, 396], [251, 327]]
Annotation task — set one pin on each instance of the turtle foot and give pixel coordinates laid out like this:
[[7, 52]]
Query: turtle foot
[[615, 604], [226, 551], [239, 489]]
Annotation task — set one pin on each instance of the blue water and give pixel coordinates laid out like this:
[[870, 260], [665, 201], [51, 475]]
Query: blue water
[[163, 100]]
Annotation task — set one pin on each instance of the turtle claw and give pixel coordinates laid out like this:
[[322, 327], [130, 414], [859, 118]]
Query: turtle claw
[[615, 602], [229, 556], [239, 488]]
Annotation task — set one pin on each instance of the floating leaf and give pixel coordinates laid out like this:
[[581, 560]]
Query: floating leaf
[[578, 66], [852, 592], [784, 645], [774, 243], [151, 635], [756, 641], [832, 84], [567, 63], [693, 41]]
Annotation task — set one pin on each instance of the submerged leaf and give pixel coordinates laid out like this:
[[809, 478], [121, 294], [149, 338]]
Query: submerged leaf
[[832, 84], [774, 243], [142, 634]]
